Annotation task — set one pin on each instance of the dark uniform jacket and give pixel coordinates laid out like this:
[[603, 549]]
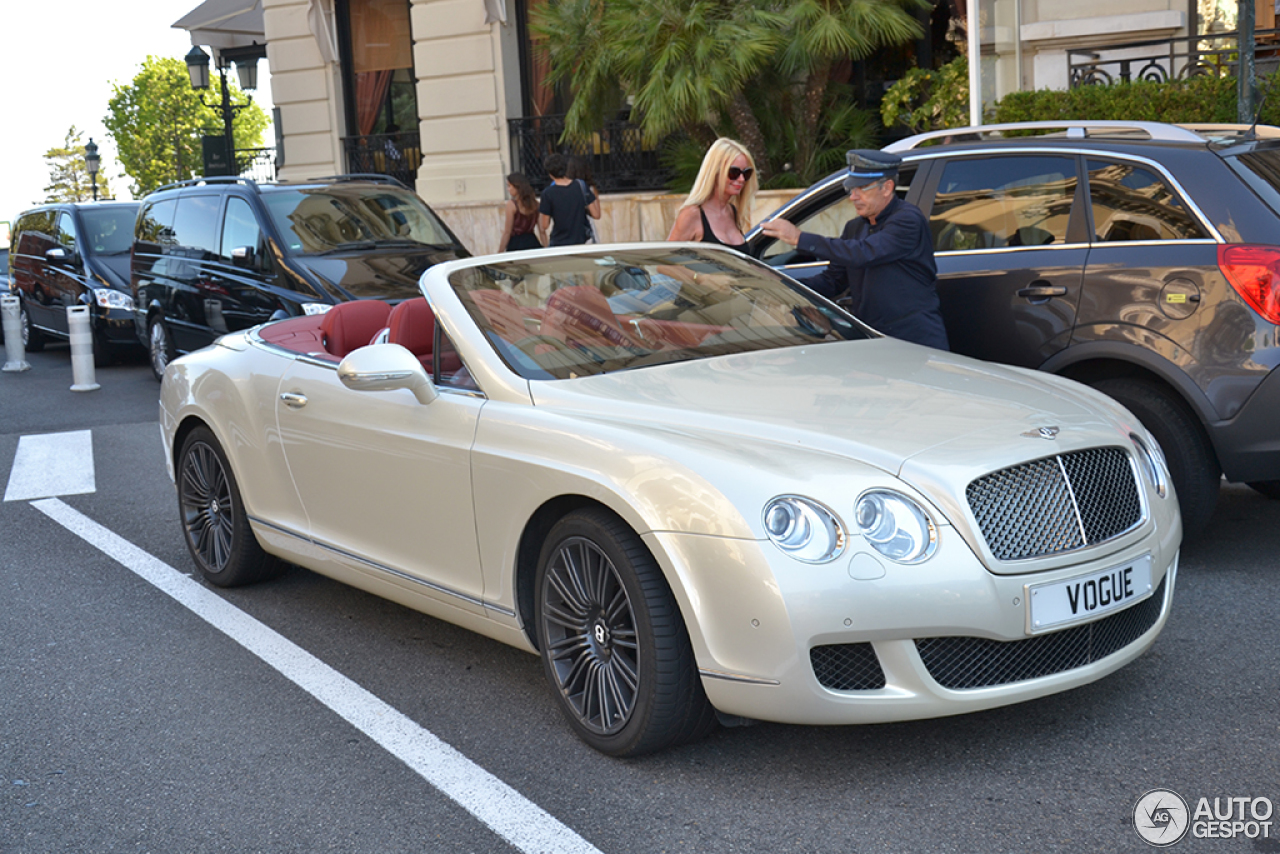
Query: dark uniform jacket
[[888, 270]]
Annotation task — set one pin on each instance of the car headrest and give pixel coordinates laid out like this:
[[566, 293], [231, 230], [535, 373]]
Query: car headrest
[[349, 325]]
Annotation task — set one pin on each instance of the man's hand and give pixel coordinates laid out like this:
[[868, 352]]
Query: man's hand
[[781, 229]]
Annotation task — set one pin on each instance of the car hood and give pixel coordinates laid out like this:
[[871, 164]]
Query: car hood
[[114, 269], [881, 402], [388, 274]]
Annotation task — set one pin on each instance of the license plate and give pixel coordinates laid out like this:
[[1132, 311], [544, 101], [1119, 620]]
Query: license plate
[[1087, 597]]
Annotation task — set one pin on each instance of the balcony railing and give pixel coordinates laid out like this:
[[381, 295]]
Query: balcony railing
[[394, 154], [1169, 59], [620, 161], [258, 164]]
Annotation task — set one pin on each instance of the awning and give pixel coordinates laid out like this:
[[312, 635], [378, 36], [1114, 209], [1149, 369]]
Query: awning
[[225, 24]]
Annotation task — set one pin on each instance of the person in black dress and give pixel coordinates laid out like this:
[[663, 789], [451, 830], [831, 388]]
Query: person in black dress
[[718, 208]]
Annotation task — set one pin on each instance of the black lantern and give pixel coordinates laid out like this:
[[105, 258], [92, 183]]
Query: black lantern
[[198, 68], [91, 163], [247, 72]]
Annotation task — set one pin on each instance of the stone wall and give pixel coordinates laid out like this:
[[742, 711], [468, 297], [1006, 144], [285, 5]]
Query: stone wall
[[625, 217]]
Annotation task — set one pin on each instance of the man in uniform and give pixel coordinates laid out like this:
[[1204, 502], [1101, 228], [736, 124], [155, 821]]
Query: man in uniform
[[884, 257]]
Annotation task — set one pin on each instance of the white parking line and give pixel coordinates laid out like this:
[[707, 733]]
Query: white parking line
[[523, 824], [52, 464]]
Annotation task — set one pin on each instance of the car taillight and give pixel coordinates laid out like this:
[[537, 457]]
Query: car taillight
[[1254, 271]]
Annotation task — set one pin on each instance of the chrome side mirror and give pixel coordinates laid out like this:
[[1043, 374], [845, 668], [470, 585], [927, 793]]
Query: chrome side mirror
[[386, 367]]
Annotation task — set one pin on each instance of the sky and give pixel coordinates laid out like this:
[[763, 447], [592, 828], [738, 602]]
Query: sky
[[58, 63]]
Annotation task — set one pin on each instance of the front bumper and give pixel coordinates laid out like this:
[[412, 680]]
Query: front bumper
[[792, 643]]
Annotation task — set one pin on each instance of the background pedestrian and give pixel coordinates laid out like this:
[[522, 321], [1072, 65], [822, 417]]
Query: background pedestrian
[[521, 228], [579, 170], [563, 209]]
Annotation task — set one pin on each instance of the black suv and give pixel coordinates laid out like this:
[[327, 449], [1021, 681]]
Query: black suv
[[217, 255], [70, 254], [1142, 259]]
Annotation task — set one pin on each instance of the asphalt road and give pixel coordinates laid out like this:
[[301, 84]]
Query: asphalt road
[[128, 723]]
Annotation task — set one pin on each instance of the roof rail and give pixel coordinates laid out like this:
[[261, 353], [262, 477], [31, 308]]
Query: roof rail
[[1076, 129], [1232, 130], [212, 179], [377, 177]]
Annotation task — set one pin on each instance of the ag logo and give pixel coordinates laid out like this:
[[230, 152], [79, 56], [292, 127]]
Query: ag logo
[[1161, 818]]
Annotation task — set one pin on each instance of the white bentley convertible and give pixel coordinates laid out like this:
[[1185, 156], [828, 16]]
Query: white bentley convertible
[[688, 483]]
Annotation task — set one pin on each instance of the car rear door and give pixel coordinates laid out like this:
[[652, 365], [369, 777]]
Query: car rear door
[[1010, 242]]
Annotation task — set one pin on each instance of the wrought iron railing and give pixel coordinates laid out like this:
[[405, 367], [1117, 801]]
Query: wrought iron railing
[[394, 154], [1167, 59], [259, 164], [620, 160]]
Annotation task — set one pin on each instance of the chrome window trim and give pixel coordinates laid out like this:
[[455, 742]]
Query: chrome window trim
[[471, 600], [1086, 152]]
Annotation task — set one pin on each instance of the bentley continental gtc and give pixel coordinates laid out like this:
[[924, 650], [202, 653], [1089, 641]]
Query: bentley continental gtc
[[695, 489]]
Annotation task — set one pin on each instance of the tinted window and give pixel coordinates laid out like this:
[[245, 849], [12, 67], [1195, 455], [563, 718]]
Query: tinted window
[[195, 226], [155, 226], [66, 231], [352, 216], [40, 222], [108, 230], [239, 228], [1131, 203], [993, 202]]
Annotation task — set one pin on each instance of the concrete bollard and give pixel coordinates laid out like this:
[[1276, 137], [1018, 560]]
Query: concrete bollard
[[15, 352], [81, 348]]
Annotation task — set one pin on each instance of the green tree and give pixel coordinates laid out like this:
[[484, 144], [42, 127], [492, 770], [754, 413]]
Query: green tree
[[68, 175], [157, 122], [759, 70]]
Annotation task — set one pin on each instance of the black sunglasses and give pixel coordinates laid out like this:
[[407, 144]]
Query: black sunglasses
[[745, 174]]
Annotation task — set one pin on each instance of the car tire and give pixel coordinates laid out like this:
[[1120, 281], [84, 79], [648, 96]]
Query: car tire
[[614, 646], [159, 347], [1193, 466], [1269, 488], [214, 522], [32, 338]]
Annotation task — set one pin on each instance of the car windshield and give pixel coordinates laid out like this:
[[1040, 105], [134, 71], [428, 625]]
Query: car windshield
[[109, 230], [339, 217], [595, 312]]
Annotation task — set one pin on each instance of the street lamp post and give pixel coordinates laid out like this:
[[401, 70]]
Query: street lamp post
[[91, 163], [246, 62]]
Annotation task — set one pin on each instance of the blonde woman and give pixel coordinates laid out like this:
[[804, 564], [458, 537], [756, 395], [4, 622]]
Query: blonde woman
[[718, 208]]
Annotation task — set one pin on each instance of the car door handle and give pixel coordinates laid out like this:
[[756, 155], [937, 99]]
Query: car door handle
[[1042, 291], [294, 400]]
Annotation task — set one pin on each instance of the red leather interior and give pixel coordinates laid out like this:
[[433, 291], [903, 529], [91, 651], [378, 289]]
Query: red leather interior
[[349, 325]]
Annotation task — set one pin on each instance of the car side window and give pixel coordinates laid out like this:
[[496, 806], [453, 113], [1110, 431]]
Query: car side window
[[195, 227], [66, 231], [452, 373], [1131, 203], [995, 202], [829, 219], [239, 229]]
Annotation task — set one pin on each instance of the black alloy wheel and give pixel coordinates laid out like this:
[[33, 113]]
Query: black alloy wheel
[[32, 338], [613, 643], [214, 521]]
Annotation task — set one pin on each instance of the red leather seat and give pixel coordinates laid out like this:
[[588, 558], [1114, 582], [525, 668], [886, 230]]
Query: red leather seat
[[349, 325], [412, 325]]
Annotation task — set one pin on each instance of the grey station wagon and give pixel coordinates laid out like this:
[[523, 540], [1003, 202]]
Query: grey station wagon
[[1140, 258]]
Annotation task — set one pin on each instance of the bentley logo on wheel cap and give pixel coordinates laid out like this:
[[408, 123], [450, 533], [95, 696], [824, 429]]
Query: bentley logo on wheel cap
[[1043, 433]]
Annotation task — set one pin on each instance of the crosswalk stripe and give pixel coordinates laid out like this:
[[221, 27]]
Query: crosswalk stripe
[[52, 464]]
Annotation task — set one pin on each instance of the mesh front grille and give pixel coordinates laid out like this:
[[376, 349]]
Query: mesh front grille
[[847, 667], [959, 663], [1056, 504]]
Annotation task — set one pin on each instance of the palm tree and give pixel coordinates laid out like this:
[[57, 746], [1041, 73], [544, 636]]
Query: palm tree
[[718, 67]]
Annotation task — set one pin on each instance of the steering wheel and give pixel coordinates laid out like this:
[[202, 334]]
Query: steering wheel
[[528, 344]]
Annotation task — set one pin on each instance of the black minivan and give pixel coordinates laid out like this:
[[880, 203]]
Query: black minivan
[[218, 255], [70, 254]]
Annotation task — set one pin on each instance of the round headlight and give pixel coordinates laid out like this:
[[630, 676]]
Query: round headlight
[[896, 526], [804, 529], [1154, 468]]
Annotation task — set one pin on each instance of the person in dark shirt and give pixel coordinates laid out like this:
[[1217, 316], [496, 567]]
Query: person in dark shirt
[[884, 258], [564, 204]]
